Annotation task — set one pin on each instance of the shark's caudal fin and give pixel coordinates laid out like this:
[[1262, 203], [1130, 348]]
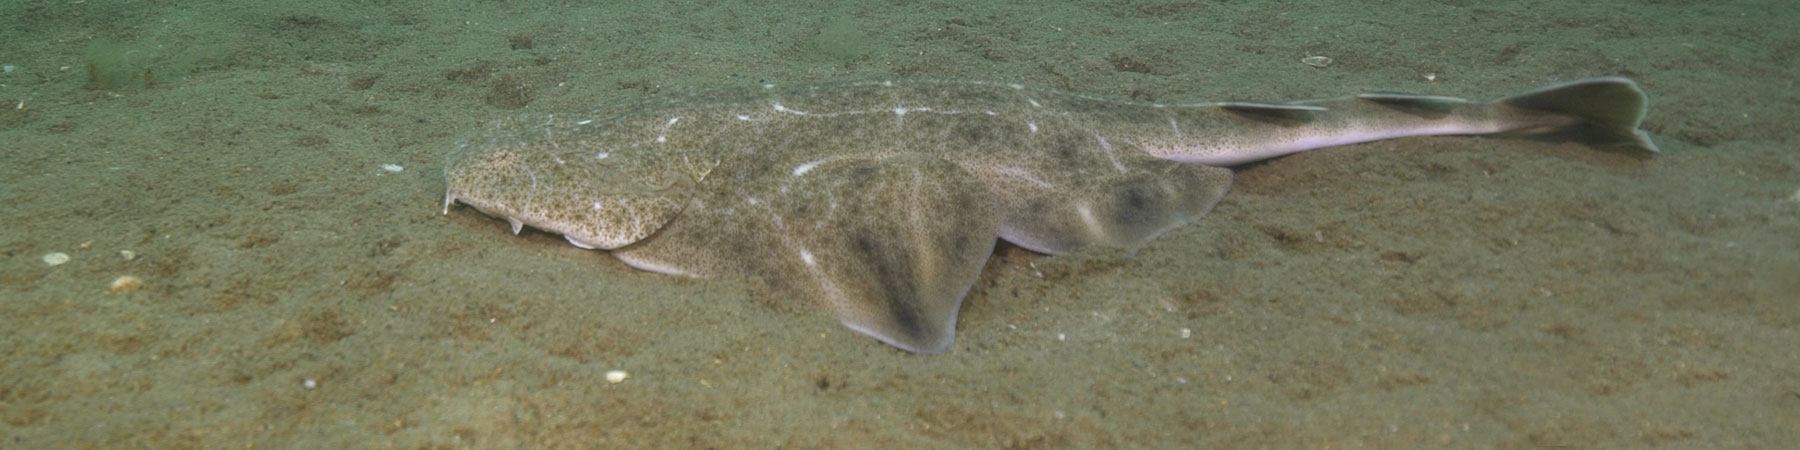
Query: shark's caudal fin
[[1601, 112], [1606, 112]]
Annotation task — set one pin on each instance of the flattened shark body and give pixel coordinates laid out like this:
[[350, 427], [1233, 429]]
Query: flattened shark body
[[880, 202]]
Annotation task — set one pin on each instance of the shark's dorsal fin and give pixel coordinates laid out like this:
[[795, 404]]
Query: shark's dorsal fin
[[1277, 112], [1419, 105], [1396, 97]]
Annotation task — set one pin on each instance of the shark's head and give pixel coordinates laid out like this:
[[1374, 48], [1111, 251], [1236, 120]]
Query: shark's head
[[595, 197]]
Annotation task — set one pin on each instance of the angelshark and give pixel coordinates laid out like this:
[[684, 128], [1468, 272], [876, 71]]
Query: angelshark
[[880, 202]]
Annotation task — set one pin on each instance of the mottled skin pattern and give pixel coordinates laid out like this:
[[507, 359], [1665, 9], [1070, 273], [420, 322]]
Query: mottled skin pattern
[[881, 201]]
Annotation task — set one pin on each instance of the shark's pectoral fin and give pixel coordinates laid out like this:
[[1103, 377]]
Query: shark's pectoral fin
[[1115, 208], [889, 246]]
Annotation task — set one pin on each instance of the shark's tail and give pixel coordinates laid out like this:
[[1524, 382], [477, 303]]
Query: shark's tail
[[1602, 112]]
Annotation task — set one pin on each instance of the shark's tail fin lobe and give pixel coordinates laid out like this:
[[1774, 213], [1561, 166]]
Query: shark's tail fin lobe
[[1603, 112]]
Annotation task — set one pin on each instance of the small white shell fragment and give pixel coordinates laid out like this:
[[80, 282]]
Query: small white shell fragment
[[127, 284], [56, 258], [1316, 61], [616, 376], [309, 384], [128, 255], [392, 168]]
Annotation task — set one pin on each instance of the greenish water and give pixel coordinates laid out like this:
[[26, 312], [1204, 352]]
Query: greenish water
[[299, 292]]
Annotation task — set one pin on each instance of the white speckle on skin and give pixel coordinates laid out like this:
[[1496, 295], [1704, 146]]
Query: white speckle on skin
[[779, 108], [1023, 173], [808, 166], [663, 136], [1087, 216], [1110, 155]]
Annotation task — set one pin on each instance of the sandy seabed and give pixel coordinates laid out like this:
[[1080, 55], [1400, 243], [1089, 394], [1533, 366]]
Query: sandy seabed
[[298, 292]]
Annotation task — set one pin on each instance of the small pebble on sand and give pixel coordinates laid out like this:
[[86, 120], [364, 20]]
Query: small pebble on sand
[[127, 283]]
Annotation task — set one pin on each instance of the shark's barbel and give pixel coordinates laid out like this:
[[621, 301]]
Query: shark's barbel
[[881, 201]]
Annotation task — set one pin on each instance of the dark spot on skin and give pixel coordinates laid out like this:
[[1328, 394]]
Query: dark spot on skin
[[1065, 148], [906, 317], [975, 133], [1134, 198], [1134, 203], [845, 129], [868, 249], [971, 204], [894, 284], [864, 174]]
